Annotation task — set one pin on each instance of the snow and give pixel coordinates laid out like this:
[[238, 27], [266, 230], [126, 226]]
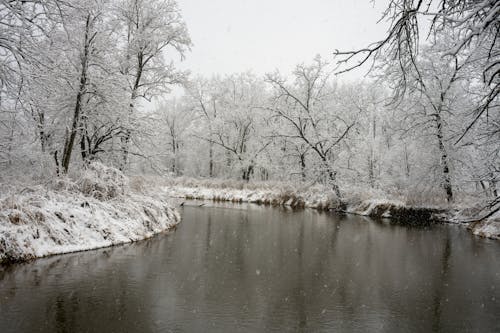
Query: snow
[[97, 210], [489, 227], [314, 197], [320, 197], [102, 208], [372, 207]]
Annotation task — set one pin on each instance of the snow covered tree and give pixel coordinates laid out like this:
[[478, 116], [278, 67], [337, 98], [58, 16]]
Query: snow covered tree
[[309, 114], [150, 30], [234, 117]]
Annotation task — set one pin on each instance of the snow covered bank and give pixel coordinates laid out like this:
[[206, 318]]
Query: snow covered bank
[[314, 197], [319, 197], [488, 227], [96, 210]]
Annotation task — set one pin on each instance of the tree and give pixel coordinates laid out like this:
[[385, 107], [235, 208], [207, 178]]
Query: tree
[[309, 114], [231, 110], [89, 36], [440, 78], [176, 117], [24, 24], [204, 98], [475, 26], [151, 28]]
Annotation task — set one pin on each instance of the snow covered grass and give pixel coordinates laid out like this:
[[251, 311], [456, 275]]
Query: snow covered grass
[[96, 210], [490, 226], [355, 201], [275, 194], [371, 202], [487, 228], [316, 197]]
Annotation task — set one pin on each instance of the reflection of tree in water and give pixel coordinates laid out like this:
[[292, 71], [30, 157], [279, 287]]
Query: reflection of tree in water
[[65, 312], [440, 285], [308, 263], [242, 238], [299, 291], [287, 307], [301, 272], [208, 236]]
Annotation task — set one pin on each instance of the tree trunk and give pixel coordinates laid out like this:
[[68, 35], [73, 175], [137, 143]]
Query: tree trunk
[[70, 140], [444, 160], [133, 97], [174, 156], [247, 173], [407, 162], [303, 167], [125, 139], [41, 132], [264, 174], [371, 158], [371, 176], [332, 177], [58, 172], [493, 185], [83, 148], [211, 160]]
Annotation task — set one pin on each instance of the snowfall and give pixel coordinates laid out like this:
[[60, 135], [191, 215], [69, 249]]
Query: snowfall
[[96, 210]]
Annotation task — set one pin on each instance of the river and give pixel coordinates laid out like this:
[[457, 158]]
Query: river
[[246, 268]]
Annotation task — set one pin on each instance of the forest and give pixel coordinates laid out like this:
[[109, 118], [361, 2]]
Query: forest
[[86, 82]]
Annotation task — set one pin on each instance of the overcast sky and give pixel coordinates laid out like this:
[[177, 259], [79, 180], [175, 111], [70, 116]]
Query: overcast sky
[[262, 35]]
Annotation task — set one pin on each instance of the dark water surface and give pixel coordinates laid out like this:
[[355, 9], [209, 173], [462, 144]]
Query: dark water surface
[[255, 269]]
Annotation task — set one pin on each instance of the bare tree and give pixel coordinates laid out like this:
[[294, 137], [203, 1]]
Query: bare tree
[[176, 117], [476, 25], [205, 95], [89, 35], [233, 117], [309, 118]]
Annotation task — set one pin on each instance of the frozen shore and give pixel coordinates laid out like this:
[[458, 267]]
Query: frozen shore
[[489, 227], [94, 211], [318, 197]]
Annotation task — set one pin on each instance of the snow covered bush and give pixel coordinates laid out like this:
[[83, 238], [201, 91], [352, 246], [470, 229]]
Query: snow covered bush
[[96, 210], [102, 182]]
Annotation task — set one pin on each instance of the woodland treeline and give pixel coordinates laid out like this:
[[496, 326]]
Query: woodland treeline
[[76, 78]]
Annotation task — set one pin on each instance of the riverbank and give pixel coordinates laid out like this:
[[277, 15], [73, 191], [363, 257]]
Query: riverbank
[[101, 208], [321, 198], [98, 209], [252, 268]]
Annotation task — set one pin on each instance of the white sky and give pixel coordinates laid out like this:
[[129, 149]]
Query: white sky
[[262, 35]]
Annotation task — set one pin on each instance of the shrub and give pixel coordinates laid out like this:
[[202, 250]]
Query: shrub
[[102, 182]]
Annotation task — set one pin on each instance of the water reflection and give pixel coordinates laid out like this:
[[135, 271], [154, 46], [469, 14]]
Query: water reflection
[[261, 269]]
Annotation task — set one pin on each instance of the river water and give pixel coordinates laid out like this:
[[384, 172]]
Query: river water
[[244, 268]]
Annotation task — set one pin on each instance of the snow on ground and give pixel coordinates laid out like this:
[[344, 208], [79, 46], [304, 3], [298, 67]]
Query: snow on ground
[[489, 227], [314, 197], [97, 210], [100, 209], [320, 197], [375, 207]]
